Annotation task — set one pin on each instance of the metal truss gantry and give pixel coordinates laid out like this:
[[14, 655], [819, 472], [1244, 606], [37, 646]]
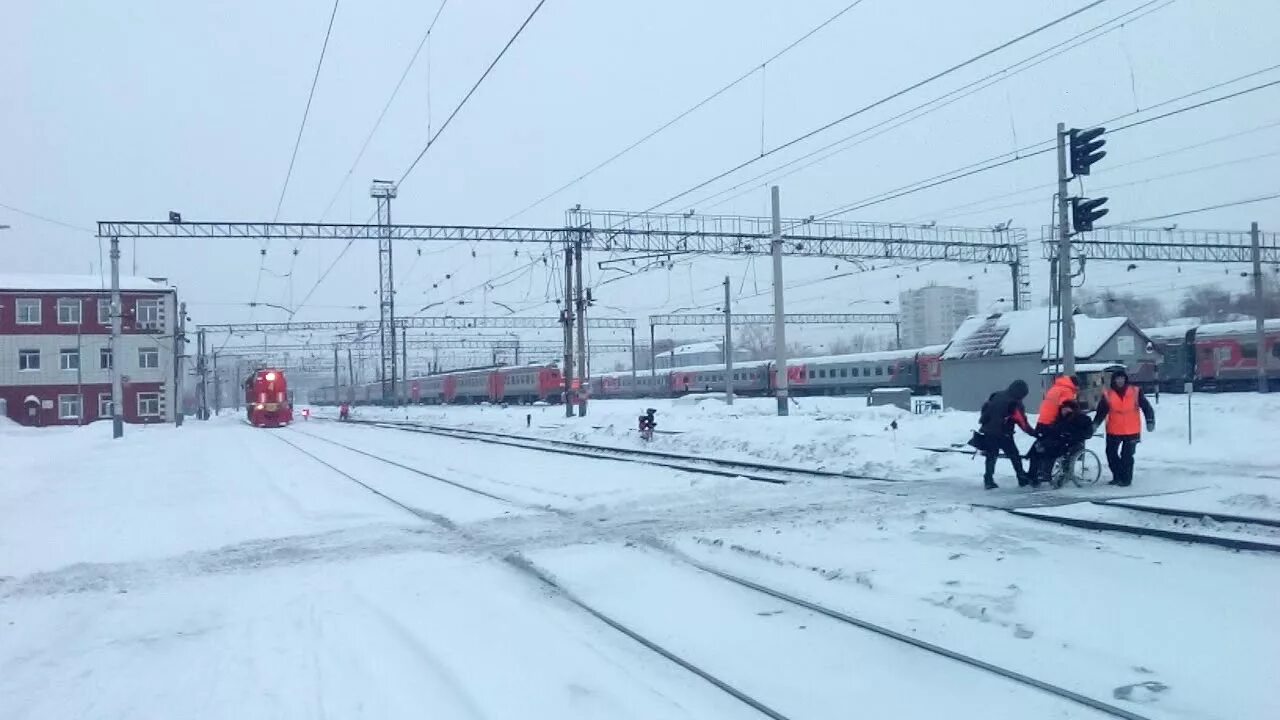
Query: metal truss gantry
[[657, 233], [1137, 244], [419, 323], [383, 191]]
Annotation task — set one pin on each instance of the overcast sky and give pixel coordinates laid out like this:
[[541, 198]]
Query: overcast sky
[[127, 110]]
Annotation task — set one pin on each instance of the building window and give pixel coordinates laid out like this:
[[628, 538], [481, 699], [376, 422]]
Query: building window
[[104, 312], [28, 359], [68, 311], [105, 408], [68, 407], [104, 359], [148, 357], [28, 311], [149, 404], [147, 314], [69, 359]]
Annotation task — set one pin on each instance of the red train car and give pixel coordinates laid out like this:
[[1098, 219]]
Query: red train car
[[266, 398]]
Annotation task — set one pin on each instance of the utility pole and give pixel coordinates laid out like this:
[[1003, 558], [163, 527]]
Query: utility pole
[[1067, 327], [404, 365], [584, 386], [383, 191], [179, 345], [351, 379], [779, 324], [566, 316], [217, 386], [728, 346], [336, 385], [202, 395], [633, 358], [653, 354], [80, 363], [1259, 308], [117, 309]]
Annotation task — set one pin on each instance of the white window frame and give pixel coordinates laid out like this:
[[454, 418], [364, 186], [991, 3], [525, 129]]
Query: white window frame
[[104, 405], [108, 355], [65, 353], [155, 304], [148, 397], [21, 303], [79, 407], [28, 352], [104, 311], [70, 304], [145, 351]]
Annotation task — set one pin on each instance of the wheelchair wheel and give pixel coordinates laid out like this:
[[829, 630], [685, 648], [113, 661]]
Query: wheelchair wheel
[[1086, 468]]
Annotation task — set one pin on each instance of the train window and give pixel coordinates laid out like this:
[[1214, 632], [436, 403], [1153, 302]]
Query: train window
[[1275, 350], [811, 375], [1249, 351], [844, 372], [822, 373], [866, 372], [879, 369]]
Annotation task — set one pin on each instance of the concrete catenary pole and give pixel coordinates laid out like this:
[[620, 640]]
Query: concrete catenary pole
[[566, 316], [179, 345], [779, 326], [217, 386], [633, 359], [580, 303], [351, 379], [728, 346], [1067, 329], [117, 309], [336, 384], [1259, 308], [202, 392], [653, 355]]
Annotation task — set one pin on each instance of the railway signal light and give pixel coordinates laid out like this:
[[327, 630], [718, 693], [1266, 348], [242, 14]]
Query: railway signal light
[[1086, 149], [1084, 212]]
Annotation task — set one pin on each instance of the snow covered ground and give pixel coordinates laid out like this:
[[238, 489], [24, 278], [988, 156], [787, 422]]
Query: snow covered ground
[[221, 571]]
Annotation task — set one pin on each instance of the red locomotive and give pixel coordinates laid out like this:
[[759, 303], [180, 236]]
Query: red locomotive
[[266, 398]]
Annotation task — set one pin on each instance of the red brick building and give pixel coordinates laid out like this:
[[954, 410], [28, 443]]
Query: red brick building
[[56, 357]]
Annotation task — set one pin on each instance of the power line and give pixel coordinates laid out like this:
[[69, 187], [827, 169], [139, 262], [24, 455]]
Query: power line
[[431, 141], [387, 106], [941, 101], [472, 91], [685, 113], [1030, 151], [1180, 213], [42, 218], [315, 79], [882, 101]]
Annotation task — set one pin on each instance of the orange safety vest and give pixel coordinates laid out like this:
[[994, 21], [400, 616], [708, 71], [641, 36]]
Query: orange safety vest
[[1123, 414], [1061, 391]]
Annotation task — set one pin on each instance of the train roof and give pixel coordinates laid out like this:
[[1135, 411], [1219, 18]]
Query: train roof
[[880, 356], [1222, 329]]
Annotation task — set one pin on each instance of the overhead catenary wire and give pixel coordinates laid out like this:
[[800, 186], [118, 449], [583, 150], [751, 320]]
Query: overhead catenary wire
[[1206, 208], [881, 101], [431, 141], [759, 67], [413, 59]]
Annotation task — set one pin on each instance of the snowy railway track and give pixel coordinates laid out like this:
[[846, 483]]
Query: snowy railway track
[[1234, 532], [748, 470], [527, 567]]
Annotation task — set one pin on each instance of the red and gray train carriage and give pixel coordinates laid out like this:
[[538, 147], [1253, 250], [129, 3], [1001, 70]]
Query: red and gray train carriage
[[1217, 356], [267, 399], [854, 374], [524, 384]]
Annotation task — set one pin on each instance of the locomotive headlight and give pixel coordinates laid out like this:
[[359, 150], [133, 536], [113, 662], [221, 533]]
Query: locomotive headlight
[[271, 377], [259, 406]]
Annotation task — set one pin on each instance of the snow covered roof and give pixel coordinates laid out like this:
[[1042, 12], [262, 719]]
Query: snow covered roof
[[1176, 333], [1084, 367], [1023, 332], [693, 348], [37, 281]]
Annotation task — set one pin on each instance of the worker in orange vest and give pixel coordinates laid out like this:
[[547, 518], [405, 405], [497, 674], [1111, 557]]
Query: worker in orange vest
[[1041, 461], [1119, 408]]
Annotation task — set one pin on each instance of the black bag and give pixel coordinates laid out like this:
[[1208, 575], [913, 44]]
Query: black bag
[[980, 442]]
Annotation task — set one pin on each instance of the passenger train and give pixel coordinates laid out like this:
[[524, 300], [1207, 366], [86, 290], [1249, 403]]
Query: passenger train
[[1216, 356], [855, 374], [266, 398]]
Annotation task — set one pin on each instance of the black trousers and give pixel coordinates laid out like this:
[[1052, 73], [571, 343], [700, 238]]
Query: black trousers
[[1005, 444], [1120, 449]]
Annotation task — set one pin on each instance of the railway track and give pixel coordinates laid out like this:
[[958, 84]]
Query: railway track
[[531, 570], [1200, 528], [749, 470]]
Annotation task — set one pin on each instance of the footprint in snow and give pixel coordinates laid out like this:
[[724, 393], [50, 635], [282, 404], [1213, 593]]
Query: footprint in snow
[[1143, 692]]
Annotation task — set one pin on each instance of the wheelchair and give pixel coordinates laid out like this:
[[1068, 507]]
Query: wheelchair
[[1079, 466]]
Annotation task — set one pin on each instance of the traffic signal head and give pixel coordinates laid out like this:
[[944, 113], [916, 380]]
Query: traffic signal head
[[1086, 149], [1084, 212]]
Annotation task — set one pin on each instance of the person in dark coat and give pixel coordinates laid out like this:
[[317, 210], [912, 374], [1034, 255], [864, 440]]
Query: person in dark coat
[[1119, 407], [1002, 411]]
